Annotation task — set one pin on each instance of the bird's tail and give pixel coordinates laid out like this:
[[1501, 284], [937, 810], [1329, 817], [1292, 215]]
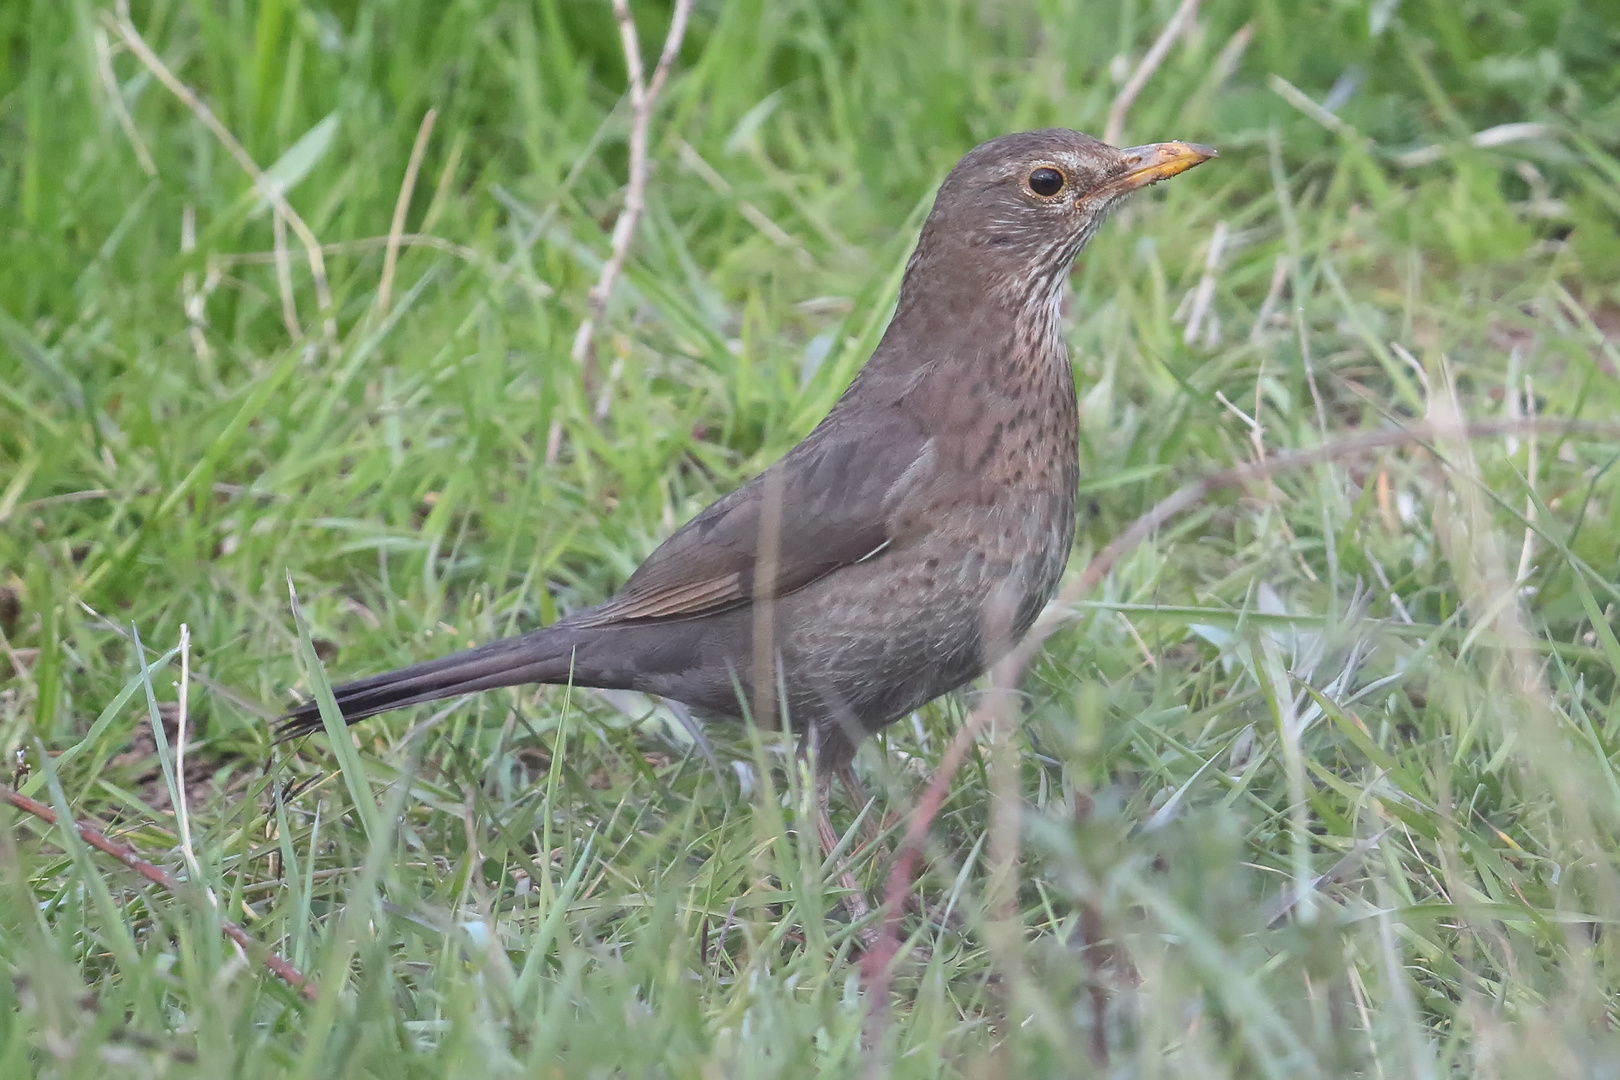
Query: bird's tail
[[542, 656]]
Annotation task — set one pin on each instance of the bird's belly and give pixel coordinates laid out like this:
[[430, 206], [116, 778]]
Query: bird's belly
[[873, 641], [869, 642]]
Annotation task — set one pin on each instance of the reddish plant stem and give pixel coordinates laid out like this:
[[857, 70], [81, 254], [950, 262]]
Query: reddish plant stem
[[158, 876]]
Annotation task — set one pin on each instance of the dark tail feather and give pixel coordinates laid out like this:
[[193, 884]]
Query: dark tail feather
[[538, 657]]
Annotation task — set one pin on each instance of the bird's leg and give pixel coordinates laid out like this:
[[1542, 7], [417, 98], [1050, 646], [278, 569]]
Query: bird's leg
[[855, 900], [814, 746], [871, 830]]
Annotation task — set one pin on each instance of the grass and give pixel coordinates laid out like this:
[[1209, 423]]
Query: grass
[[1395, 673]]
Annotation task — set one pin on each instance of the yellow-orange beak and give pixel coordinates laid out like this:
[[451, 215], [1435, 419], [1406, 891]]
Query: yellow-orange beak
[[1157, 161]]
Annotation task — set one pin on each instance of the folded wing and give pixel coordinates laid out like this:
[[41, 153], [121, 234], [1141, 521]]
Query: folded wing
[[829, 503]]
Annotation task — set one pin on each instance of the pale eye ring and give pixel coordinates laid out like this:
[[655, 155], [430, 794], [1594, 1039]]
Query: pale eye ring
[[1046, 181]]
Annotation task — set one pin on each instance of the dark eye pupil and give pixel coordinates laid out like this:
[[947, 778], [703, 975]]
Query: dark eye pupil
[[1046, 181]]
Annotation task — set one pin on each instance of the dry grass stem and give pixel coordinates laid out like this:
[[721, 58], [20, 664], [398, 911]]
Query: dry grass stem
[[194, 302], [284, 282], [1178, 24], [1204, 294], [356, 247], [182, 735], [115, 102], [122, 24], [1279, 278], [402, 207]]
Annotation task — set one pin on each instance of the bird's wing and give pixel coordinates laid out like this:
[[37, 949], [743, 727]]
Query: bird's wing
[[829, 503]]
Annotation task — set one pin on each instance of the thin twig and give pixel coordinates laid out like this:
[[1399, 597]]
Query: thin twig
[[124, 26], [999, 699], [402, 206], [157, 876], [1178, 24], [643, 96]]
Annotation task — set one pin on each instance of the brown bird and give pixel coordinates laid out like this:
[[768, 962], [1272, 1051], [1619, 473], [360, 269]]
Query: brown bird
[[911, 539]]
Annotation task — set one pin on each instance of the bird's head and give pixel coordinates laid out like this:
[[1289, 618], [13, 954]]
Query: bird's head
[[1014, 213]]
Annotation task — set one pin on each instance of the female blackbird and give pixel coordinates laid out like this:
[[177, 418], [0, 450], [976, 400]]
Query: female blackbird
[[911, 539]]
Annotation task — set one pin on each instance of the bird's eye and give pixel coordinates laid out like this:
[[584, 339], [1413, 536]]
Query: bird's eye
[[1046, 181]]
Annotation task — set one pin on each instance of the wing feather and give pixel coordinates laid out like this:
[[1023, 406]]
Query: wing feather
[[836, 500]]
